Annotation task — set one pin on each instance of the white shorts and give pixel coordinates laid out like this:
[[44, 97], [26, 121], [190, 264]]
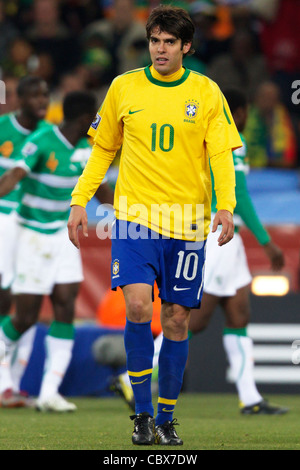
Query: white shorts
[[45, 260], [226, 267], [8, 241]]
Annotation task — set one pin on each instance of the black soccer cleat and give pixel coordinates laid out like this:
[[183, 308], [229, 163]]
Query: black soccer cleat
[[143, 433], [263, 408], [165, 434]]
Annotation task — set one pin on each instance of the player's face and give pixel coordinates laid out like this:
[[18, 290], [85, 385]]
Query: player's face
[[36, 100], [166, 52]]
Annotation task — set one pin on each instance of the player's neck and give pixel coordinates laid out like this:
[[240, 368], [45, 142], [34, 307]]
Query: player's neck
[[26, 121], [167, 78], [71, 132]]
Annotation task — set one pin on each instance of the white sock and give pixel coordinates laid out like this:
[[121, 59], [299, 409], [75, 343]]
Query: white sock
[[125, 378], [21, 357], [5, 364], [58, 358], [157, 346], [239, 350]]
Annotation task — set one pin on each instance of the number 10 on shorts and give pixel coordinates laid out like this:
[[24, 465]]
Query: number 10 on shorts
[[187, 266]]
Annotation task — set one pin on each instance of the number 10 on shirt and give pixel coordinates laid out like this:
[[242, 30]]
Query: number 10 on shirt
[[163, 132]]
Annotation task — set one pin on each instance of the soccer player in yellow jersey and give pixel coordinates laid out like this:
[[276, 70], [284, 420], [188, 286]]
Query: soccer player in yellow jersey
[[170, 122]]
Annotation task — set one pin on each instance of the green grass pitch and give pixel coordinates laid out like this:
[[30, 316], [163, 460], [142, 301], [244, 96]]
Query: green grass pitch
[[207, 422]]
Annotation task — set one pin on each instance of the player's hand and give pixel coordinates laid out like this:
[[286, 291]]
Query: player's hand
[[78, 217], [275, 256], [225, 219]]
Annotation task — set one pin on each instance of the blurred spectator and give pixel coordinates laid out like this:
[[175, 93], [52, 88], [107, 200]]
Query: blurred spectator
[[68, 83], [42, 65], [207, 45], [122, 36], [265, 9], [280, 40], [50, 36], [269, 132], [244, 18], [20, 53], [97, 61], [242, 67], [7, 32], [11, 96], [77, 14], [19, 12], [223, 29]]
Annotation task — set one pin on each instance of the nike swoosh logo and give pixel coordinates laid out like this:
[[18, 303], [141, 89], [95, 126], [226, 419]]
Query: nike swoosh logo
[[137, 383], [181, 288], [133, 112], [168, 411]]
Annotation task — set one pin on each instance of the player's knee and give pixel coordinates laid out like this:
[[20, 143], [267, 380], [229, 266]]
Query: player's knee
[[64, 309], [239, 316], [63, 301], [177, 322], [137, 310], [240, 321]]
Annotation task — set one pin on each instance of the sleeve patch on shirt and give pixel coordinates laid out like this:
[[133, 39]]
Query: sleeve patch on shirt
[[96, 121], [29, 149]]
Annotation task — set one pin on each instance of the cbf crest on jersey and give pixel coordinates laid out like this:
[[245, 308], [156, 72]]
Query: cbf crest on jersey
[[191, 109], [115, 268]]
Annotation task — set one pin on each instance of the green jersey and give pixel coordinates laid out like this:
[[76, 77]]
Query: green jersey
[[12, 138], [244, 212], [53, 167]]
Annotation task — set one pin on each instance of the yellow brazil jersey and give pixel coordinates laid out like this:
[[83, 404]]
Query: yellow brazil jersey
[[168, 128]]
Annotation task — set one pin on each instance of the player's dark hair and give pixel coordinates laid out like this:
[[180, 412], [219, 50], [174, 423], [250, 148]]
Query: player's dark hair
[[27, 82], [172, 20], [78, 103], [235, 99]]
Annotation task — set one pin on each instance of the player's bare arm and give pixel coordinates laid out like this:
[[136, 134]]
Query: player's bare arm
[[77, 218], [10, 178], [275, 256], [224, 218]]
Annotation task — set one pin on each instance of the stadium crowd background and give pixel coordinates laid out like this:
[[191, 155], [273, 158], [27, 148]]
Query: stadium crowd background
[[84, 44], [252, 45]]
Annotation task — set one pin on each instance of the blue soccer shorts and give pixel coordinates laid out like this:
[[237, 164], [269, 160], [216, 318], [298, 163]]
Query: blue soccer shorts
[[176, 265]]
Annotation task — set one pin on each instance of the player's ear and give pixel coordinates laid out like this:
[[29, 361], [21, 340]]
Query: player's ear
[[186, 47]]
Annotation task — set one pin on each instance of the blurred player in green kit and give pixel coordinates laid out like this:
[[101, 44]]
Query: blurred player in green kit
[[227, 277], [33, 97], [46, 262]]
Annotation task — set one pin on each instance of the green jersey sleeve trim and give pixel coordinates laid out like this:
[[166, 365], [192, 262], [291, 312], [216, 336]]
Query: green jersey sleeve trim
[[245, 209], [224, 109]]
